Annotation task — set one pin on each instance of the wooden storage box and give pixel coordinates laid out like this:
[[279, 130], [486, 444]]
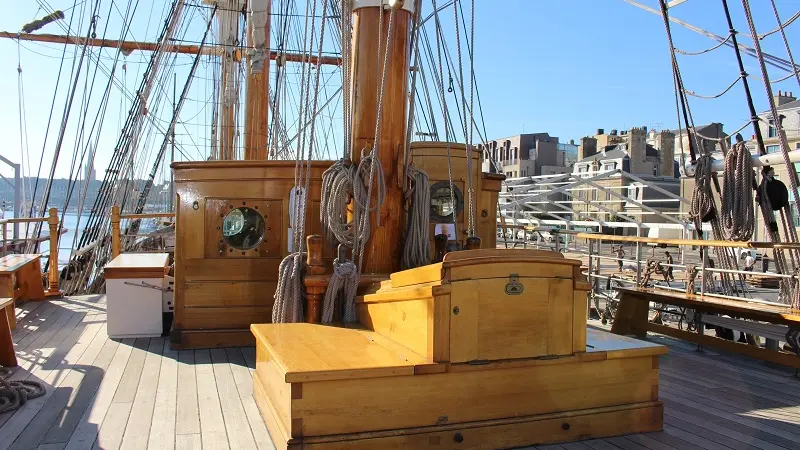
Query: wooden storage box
[[335, 388], [484, 305]]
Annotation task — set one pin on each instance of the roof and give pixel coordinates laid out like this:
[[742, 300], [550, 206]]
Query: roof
[[795, 104], [617, 151]]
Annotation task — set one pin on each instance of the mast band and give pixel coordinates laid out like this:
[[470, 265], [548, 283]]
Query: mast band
[[406, 5]]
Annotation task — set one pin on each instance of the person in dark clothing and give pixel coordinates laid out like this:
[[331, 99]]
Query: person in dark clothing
[[668, 274]]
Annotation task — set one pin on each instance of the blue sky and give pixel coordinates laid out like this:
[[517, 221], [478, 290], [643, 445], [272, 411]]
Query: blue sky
[[566, 67]]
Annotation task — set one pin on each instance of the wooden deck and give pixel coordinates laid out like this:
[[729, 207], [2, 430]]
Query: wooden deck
[[109, 394]]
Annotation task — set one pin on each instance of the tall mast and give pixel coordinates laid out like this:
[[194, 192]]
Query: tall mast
[[382, 252], [228, 15], [255, 126]]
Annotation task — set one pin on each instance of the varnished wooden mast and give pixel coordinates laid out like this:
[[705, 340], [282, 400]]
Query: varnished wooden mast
[[382, 252], [257, 90], [228, 17]]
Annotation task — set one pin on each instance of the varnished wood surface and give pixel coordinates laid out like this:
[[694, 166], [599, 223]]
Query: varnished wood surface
[[12, 263], [709, 303], [137, 265], [712, 400]]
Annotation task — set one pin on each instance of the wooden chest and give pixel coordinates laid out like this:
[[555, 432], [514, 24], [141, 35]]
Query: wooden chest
[[525, 304]]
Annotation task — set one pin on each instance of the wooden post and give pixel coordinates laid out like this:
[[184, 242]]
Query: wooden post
[[5, 236], [256, 124], [382, 251], [116, 247], [315, 282], [52, 289]]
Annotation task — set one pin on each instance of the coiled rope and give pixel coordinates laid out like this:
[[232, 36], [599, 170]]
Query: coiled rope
[[345, 280], [14, 394], [701, 207], [738, 213], [417, 250]]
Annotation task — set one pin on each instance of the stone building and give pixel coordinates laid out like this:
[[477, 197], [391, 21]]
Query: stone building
[[629, 152], [524, 155]]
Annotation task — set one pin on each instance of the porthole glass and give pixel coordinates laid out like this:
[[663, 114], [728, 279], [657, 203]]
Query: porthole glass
[[243, 228], [442, 206]]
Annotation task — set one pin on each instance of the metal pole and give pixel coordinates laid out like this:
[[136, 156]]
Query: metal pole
[[17, 200], [638, 255], [704, 261]]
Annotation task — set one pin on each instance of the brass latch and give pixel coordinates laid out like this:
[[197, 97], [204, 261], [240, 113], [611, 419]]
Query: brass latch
[[514, 287]]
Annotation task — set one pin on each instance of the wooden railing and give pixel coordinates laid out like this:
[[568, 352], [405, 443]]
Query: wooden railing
[[116, 219], [52, 222]]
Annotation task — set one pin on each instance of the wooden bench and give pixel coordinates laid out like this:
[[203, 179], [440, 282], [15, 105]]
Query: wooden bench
[[20, 279], [7, 356], [770, 321]]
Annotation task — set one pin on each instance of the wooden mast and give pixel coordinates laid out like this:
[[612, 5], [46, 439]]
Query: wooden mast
[[257, 96], [228, 16], [383, 250]]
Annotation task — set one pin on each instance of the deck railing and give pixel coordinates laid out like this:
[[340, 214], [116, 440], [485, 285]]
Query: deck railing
[[53, 225], [116, 219]]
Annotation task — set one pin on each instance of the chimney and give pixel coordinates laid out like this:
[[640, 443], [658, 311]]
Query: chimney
[[587, 148], [637, 149], [601, 131], [665, 142], [784, 97]]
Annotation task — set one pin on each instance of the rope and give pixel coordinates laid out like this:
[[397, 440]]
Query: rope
[[686, 53], [738, 215], [709, 97], [14, 394], [702, 203], [417, 248], [785, 39], [290, 294], [344, 279], [692, 272]]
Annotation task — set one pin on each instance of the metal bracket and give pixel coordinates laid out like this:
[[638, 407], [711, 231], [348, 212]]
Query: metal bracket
[[147, 285], [514, 287], [406, 5]]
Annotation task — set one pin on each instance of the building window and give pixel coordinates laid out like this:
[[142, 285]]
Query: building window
[[773, 148], [772, 131], [609, 166]]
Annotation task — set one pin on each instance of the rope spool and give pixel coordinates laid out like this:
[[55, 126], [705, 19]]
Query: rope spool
[[14, 394]]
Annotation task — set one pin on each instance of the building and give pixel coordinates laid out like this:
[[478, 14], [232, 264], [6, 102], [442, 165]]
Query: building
[[789, 112], [526, 155], [630, 153]]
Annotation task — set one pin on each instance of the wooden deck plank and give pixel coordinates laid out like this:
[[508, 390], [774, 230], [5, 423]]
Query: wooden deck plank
[[137, 432], [697, 429], [659, 441], [723, 427], [126, 391], [188, 441], [188, 412], [236, 424], [600, 444], [34, 321], [693, 440], [212, 424], [244, 385], [40, 414], [766, 426], [113, 428], [162, 429], [90, 378], [88, 428]]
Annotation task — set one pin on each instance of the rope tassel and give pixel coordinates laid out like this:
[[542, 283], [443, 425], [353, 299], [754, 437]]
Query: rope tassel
[[344, 279], [290, 295]]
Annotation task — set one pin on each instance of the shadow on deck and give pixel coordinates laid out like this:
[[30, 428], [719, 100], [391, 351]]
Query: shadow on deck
[[107, 393]]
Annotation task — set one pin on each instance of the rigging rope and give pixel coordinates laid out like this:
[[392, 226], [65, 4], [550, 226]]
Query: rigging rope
[[417, 250], [738, 221]]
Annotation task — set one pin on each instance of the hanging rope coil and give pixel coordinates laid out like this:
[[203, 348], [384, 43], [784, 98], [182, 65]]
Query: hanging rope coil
[[14, 394], [702, 205], [417, 248], [290, 295], [345, 280], [738, 213]]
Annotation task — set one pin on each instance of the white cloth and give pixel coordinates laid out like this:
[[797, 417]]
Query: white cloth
[[749, 261]]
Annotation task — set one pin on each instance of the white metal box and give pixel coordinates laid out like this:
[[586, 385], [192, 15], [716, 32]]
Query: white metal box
[[134, 294]]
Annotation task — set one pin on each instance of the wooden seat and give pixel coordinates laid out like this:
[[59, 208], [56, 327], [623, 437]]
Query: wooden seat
[[7, 356], [20, 279], [634, 303]]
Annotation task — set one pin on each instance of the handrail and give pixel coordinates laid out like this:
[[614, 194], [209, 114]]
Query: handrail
[[53, 290], [116, 218], [147, 216], [687, 242]]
